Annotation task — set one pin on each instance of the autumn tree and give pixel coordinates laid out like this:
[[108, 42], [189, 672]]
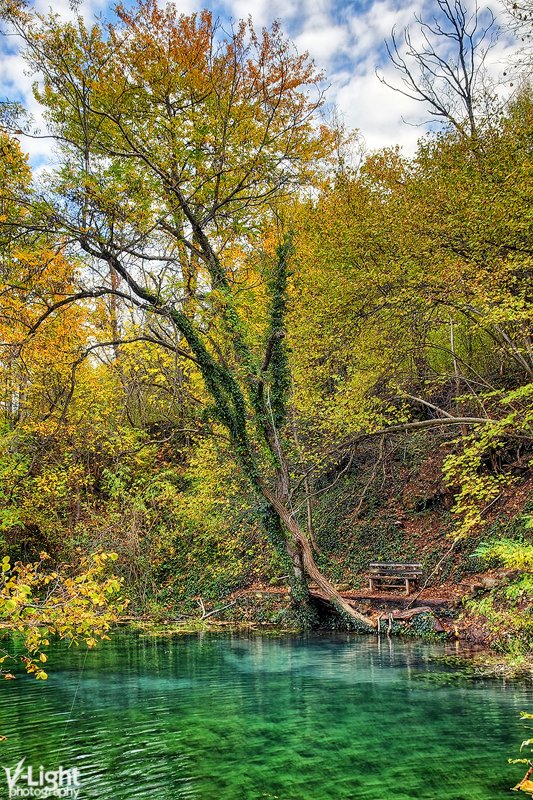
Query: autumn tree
[[176, 139]]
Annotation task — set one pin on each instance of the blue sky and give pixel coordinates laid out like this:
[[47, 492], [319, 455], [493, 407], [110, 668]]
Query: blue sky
[[344, 38]]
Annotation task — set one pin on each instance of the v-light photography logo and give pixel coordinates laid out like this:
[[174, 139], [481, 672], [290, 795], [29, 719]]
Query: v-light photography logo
[[27, 782]]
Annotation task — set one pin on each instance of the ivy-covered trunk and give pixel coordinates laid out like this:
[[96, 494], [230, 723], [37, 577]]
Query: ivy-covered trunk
[[291, 559]]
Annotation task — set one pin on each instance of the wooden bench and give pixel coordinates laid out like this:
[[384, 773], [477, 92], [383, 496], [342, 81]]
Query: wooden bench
[[389, 575]]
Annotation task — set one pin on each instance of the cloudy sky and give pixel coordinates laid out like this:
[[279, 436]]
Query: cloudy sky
[[344, 37]]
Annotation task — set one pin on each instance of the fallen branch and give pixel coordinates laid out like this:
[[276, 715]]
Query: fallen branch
[[429, 405], [408, 426], [215, 610]]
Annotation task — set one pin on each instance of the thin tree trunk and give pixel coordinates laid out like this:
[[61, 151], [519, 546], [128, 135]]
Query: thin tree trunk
[[458, 407], [310, 528], [307, 490], [113, 314]]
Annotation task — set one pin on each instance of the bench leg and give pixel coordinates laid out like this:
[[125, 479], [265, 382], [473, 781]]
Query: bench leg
[[407, 586], [371, 584]]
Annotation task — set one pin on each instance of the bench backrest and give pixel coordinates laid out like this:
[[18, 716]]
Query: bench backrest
[[394, 568]]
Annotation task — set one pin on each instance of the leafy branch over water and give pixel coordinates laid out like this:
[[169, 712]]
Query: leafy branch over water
[[35, 604]]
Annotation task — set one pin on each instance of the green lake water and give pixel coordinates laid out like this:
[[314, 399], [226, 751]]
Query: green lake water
[[240, 717]]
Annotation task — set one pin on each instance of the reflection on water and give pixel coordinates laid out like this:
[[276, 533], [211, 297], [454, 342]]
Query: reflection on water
[[320, 717]]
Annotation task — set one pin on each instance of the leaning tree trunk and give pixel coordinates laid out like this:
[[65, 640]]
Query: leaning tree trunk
[[301, 542]]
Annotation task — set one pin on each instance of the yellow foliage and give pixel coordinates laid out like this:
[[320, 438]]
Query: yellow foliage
[[80, 605]]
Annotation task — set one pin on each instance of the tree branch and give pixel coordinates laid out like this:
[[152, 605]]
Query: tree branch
[[408, 426]]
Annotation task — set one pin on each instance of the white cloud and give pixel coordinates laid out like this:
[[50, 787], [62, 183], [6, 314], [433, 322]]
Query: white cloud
[[16, 81], [344, 38]]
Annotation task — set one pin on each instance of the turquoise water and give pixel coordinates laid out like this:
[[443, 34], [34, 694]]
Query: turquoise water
[[236, 717]]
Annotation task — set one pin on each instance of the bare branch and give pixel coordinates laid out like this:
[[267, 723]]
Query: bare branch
[[448, 83], [429, 405]]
